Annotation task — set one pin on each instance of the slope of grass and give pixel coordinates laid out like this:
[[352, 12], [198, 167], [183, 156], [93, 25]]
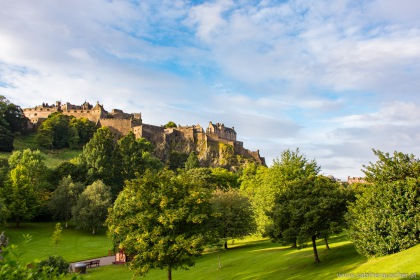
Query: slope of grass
[[53, 157], [76, 244], [257, 259], [252, 258]]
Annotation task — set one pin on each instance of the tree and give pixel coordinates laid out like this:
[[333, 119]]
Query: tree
[[233, 213], [135, 155], [385, 217], [85, 129], [33, 169], [176, 160], [12, 121], [192, 161], [57, 236], [4, 212], [91, 209], [12, 116], [225, 179], [65, 198], [55, 132], [262, 185], [306, 209], [160, 219], [170, 124], [102, 161], [21, 197], [6, 139]]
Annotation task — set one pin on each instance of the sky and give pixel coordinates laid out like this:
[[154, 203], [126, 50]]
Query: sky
[[335, 79]]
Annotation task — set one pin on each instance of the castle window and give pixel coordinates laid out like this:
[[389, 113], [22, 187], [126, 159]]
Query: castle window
[[88, 112], [48, 109], [75, 111], [81, 111]]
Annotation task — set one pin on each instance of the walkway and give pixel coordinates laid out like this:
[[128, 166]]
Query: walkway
[[102, 261]]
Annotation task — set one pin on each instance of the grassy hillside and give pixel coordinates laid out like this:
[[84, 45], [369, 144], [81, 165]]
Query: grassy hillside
[[252, 258], [53, 157]]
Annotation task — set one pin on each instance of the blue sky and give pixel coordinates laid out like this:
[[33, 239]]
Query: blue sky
[[334, 78]]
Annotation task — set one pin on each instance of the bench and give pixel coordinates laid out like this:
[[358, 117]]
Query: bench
[[90, 264]]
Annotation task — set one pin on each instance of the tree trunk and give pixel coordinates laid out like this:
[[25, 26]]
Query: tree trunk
[[220, 264], [314, 247], [17, 222], [326, 243], [294, 244], [169, 273], [225, 245], [67, 224], [93, 231]]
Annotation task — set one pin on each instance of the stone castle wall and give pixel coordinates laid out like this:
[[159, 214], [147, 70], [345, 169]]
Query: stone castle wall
[[121, 124]]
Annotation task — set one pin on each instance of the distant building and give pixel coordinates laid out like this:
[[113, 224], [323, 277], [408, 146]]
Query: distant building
[[351, 180]]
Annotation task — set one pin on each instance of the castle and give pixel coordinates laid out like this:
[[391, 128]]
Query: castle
[[121, 124]]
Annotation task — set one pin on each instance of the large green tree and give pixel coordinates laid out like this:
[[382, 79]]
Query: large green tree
[[26, 188], [55, 131], [65, 198], [233, 215], [160, 219], [101, 159], [12, 121], [91, 209], [21, 196], [135, 156], [262, 184], [385, 218], [307, 209]]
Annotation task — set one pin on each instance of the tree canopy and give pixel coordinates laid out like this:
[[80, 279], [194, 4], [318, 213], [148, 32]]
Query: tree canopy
[[91, 209], [306, 209], [385, 218], [160, 220]]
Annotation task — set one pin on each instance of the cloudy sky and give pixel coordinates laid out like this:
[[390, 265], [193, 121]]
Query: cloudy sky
[[334, 78]]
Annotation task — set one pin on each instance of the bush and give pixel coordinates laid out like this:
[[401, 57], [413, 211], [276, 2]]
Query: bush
[[55, 262]]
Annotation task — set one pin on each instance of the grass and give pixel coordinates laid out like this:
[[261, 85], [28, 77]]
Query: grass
[[76, 245], [252, 258], [53, 157]]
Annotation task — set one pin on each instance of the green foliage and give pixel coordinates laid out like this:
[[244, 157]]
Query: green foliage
[[233, 215], [6, 139], [176, 160], [192, 161], [389, 168], [385, 217], [4, 212], [224, 179], [57, 236], [91, 209], [65, 198], [12, 268], [261, 185], [136, 156], [57, 263], [307, 208], [61, 131], [102, 161], [21, 196], [170, 124], [85, 129], [160, 220], [12, 121]]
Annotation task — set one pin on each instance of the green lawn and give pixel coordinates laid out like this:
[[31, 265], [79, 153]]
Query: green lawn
[[252, 258], [76, 244]]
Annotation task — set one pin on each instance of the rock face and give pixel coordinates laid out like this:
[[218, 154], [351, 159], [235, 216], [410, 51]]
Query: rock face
[[215, 147]]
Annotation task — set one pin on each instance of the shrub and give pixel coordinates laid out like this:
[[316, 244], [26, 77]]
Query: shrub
[[55, 262]]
